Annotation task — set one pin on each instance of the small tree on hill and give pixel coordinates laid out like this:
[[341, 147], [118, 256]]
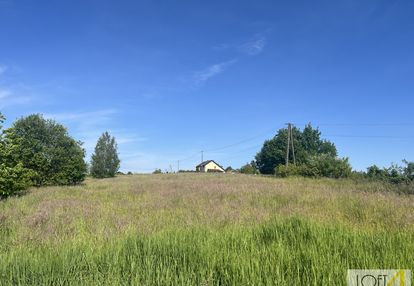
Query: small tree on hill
[[105, 162]]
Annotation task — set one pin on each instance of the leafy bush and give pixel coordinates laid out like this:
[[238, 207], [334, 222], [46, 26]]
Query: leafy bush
[[45, 147], [229, 169], [14, 180], [394, 174], [323, 165], [292, 170], [249, 168], [158, 171]]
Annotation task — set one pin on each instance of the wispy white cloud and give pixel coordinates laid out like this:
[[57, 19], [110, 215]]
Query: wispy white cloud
[[254, 46], [9, 94], [211, 71], [251, 47], [2, 69], [8, 98], [4, 93], [88, 116], [88, 126], [125, 140]]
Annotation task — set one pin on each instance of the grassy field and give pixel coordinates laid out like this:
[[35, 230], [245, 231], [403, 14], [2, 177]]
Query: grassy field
[[211, 229]]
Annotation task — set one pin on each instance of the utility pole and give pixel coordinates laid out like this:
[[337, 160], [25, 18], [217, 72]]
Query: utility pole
[[289, 144], [293, 147]]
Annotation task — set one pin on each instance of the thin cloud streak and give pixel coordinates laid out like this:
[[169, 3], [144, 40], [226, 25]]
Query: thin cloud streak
[[202, 76], [8, 93], [88, 127], [4, 93], [99, 115], [7, 99], [254, 46]]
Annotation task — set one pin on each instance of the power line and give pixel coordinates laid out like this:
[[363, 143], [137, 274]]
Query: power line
[[241, 142], [356, 124], [370, 136], [190, 157], [290, 138], [239, 151], [235, 154]]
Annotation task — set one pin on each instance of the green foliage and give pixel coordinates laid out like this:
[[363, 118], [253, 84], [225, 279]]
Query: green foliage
[[290, 171], [325, 165], [317, 166], [394, 174], [105, 162], [45, 147], [2, 118], [14, 180], [249, 168], [158, 171], [409, 170], [229, 169], [307, 143]]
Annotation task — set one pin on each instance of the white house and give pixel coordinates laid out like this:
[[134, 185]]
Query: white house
[[209, 166]]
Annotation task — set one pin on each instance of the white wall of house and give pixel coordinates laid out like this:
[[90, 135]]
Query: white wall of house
[[211, 166]]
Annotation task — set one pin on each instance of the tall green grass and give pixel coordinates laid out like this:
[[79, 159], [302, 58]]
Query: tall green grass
[[203, 229], [290, 251]]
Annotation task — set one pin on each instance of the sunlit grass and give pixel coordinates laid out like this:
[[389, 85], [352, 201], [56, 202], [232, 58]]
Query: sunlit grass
[[194, 229]]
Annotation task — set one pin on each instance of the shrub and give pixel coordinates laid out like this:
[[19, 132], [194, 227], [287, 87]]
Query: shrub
[[249, 168], [14, 180], [45, 147], [323, 165], [229, 169], [158, 171], [292, 170], [394, 174]]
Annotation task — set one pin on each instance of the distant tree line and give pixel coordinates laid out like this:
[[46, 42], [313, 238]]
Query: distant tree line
[[317, 157], [36, 151], [395, 174]]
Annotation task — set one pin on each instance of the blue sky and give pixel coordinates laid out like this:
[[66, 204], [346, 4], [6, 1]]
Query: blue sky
[[171, 78]]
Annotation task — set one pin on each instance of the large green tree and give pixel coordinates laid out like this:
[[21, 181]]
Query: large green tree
[[307, 143], [105, 161], [44, 146]]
